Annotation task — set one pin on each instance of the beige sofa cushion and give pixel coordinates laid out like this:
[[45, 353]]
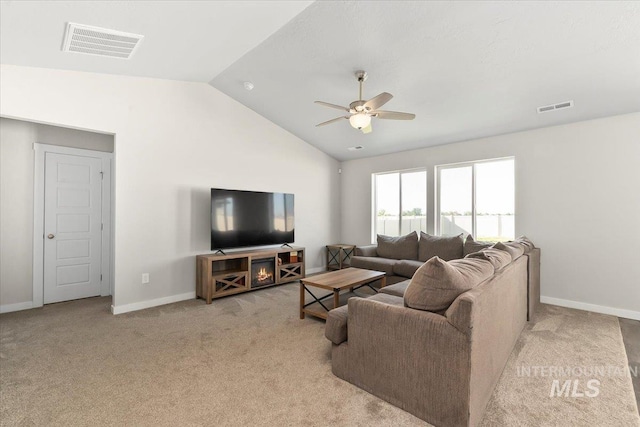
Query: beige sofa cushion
[[497, 257], [336, 329], [438, 283], [374, 263], [471, 246], [397, 289], [514, 249], [444, 247], [406, 267], [402, 247]]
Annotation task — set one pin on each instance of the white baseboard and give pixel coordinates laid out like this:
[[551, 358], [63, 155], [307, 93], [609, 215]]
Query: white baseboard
[[315, 270], [619, 312], [8, 308], [151, 303]]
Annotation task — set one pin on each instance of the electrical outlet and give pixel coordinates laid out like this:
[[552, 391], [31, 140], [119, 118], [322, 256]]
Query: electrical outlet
[[145, 278]]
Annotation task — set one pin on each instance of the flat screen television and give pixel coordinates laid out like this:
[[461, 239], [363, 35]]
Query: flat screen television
[[250, 218]]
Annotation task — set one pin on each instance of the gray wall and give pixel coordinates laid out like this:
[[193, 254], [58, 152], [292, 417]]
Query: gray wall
[[576, 187], [16, 197]]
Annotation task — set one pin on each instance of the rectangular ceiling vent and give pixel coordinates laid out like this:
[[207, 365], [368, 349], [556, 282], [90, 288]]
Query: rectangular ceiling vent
[[554, 107], [89, 40]]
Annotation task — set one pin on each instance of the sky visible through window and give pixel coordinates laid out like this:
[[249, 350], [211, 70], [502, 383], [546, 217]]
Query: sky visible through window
[[414, 192], [495, 192], [401, 202], [494, 218], [494, 200], [388, 193], [494, 189]]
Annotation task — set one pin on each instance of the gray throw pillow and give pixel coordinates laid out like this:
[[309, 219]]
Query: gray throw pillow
[[514, 249], [497, 257], [471, 246], [403, 247], [438, 283], [445, 247]]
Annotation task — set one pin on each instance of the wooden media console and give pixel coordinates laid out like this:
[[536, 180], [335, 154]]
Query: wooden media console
[[227, 274]]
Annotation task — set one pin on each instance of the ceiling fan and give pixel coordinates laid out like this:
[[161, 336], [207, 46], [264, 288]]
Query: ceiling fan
[[361, 112]]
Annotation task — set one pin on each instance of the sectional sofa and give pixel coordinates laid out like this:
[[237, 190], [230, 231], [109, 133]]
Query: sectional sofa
[[400, 257], [436, 345]]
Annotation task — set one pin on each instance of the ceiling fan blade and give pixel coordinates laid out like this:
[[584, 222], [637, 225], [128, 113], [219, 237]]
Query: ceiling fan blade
[[378, 101], [332, 120], [393, 115], [326, 104], [368, 129]]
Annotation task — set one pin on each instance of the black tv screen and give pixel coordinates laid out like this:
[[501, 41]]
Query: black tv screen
[[250, 218]]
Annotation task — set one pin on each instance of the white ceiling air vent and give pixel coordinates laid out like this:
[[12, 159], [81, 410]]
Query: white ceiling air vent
[[100, 41], [554, 107], [356, 148]]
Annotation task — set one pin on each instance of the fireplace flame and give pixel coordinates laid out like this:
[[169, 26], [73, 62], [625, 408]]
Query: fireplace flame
[[263, 275]]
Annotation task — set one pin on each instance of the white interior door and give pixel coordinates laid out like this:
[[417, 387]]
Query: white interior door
[[72, 227]]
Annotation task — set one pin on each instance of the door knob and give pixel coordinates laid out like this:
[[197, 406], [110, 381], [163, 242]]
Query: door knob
[[51, 236]]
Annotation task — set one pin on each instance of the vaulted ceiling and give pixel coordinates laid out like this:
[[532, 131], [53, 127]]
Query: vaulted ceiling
[[466, 69]]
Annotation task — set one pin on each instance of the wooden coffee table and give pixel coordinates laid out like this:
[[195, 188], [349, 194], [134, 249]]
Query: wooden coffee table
[[335, 281]]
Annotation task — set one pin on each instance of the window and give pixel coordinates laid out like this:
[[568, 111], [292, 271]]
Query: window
[[400, 202], [477, 198]]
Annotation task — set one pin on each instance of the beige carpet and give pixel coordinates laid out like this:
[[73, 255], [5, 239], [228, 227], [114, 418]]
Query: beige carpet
[[249, 360], [563, 345]]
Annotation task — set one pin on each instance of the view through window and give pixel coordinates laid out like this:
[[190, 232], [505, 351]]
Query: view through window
[[477, 198], [400, 202]]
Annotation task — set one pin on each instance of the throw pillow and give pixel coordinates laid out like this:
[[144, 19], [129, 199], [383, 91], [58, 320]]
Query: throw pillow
[[445, 247], [497, 257], [438, 283], [514, 249], [403, 247], [471, 246], [526, 243]]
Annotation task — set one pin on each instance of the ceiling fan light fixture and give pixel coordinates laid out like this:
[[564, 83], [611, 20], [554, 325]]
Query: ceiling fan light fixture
[[361, 112], [360, 120]]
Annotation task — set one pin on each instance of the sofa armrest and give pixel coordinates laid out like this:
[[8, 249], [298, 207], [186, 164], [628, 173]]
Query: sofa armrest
[[392, 320], [533, 281], [412, 357], [336, 327], [368, 250]]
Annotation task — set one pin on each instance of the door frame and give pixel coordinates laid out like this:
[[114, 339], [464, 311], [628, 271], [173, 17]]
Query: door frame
[[106, 286]]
